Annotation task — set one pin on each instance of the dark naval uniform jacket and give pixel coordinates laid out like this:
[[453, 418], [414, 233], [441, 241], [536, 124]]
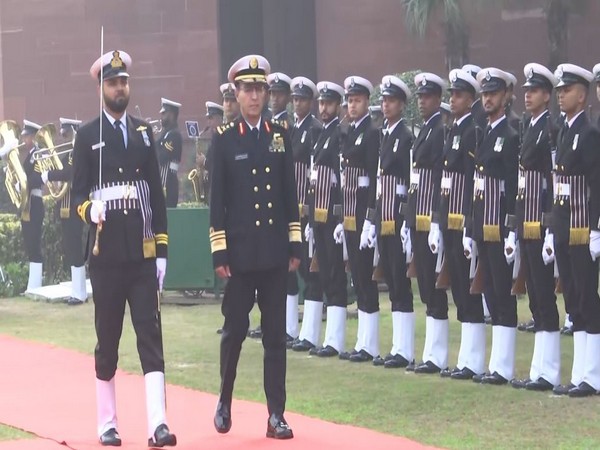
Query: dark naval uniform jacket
[[35, 206], [254, 220], [136, 216]]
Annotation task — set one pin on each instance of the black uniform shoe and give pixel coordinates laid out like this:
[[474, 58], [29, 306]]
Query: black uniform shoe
[[563, 389], [313, 351], [362, 356], [566, 331], [526, 326], [345, 356], [463, 374], [75, 301], [289, 341], [495, 379], [411, 366], [427, 367], [539, 385], [327, 352], [447, 373], [110, 438], [302, 346], [583, 390], [396, 362], [222, 418], [162, 437], [478, 378], [379, 361], [256, 333], [277, 428], [519, 383]]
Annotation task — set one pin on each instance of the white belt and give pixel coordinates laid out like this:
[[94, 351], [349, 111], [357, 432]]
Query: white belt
[[480, 185], [562, 190], [401, 190], [363, 182], [36, 192], [174, 166], [314, 176], [126, 192], [521, 184]]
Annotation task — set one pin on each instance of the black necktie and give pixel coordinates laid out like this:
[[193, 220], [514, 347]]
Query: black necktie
[[563, 132], [119, 132], [254, 132], [488, 130]]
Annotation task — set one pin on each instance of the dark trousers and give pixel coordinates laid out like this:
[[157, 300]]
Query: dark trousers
[[238, 300], [540, 286], [113, 286], [579, 280], [393, 262], [497, 276], [32, 230], [312, 283], [361, 267], [72, 229], [425, 261], [332, 270], [469, 308], [172, 188]]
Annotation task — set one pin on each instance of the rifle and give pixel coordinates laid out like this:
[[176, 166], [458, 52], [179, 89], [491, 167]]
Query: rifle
[[339, 213], [476, 273], [519, 274]]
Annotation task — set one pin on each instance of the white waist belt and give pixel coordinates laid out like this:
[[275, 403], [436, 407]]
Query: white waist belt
[[363, 182], [562, 190], [36, 192], [480, 185], [174, 166], [126, 192], [401, 190]]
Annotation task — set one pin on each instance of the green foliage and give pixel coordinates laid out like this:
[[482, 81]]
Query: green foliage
[[13, 279]]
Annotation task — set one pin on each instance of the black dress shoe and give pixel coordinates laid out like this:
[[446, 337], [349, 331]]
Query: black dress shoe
[[495, 378], [277, 428], [222, 420], [110, 438], [162, 437], [411, 366], [378, 361], [396, 362], [361, 356], [539, 385], [583, 390], [345, 356], [525, 326], [302, 346], [289, 341], [563, 389], [463, 374], [520, 383], [313, 351], [256, 333], [327, 352], [478, 378], [447, 373], [428, 368], [566, 331], [75, 301]]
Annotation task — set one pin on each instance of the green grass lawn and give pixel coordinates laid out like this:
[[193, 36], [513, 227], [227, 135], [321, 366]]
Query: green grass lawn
[[9, 433], [425, 408]]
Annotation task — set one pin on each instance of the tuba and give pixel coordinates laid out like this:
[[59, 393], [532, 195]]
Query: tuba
[[16, 178], [50, 159]]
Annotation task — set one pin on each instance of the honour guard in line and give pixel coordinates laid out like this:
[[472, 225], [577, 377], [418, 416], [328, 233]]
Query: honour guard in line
[[324, 197], [114, 160], [360, 153], [71, 224], [231, 108], [423, 200], [32, 213], [392, 181], [456, 191], [534, 199], [214, 114], [279, 95], [513, 119], [575, 236], [495, 189], [596, 72], [169, 150], [477, 111], [255, 237], [303, 135]]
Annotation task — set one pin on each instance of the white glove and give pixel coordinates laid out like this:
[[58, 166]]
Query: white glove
[[338, 233], [44, 176], [510, 247], [98, 211], [161, 270], [404, 235], [372, 236], [433, 239], [308, 233], [594, 244], [364, 235], [8, 146], [548, 248], [467, 243]]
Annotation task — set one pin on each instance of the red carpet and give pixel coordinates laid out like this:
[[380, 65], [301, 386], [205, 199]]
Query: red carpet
[[50, 392]]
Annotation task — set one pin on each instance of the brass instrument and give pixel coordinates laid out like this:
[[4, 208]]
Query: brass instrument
[[16, 178], [194, 177], [50, 161]]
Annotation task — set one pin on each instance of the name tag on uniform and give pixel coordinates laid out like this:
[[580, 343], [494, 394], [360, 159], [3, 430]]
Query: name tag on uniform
[[303, 138], [313, 175], [415, 178], [455, 142], [446, 183], [521, 182], [499, 144], [358, 139], [575, 141], [396, 145], [241, 156]]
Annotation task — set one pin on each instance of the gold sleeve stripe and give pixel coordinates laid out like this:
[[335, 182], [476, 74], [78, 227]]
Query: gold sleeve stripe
[[169, 146], [295, 236], [161, 235], [218, 244]]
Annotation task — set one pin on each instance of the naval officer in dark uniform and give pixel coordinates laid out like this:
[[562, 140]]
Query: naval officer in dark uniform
[[129, 260], [255, 237], [169, 150]]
